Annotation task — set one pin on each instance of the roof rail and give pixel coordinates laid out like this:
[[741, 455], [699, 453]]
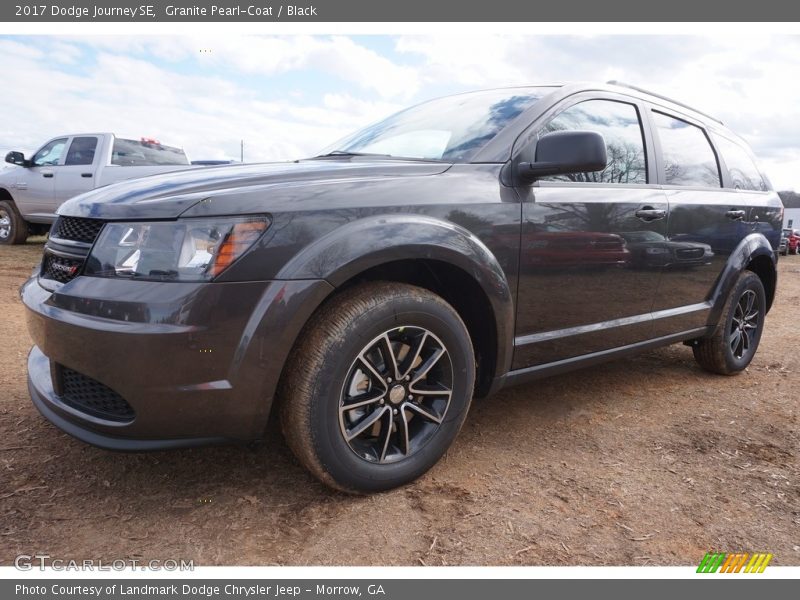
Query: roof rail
[[662, 97]]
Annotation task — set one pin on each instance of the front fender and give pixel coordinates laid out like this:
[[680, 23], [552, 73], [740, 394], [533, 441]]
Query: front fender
[[367, 243], [750, 248]]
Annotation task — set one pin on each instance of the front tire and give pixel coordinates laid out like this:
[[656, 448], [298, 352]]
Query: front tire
[[378, 387], [13, 228], [735, 340]]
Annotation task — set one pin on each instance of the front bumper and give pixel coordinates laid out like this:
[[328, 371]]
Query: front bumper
[[71, 421], [197, 362]]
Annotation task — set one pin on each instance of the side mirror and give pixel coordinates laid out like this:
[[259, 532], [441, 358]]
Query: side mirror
[[562, 152], [16, 158]]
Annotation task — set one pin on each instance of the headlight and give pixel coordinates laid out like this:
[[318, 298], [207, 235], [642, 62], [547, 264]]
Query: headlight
[[183, 250]]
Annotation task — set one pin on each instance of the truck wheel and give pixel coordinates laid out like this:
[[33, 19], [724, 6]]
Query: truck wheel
[[378, 387], [13, 229], [735, 340]]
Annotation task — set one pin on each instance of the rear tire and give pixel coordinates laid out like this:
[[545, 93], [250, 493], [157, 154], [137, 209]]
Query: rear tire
[[735, 340], [13, 228], [403, 359]]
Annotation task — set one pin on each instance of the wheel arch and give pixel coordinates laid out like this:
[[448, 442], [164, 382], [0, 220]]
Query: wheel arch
[[753, 253], [434, 254], [459, 289], [6, 195]]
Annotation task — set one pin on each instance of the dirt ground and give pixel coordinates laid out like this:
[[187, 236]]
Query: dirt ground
[[641, 461]]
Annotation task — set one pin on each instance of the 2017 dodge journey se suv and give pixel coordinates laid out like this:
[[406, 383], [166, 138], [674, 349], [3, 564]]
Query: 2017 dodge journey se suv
[[369, 293]]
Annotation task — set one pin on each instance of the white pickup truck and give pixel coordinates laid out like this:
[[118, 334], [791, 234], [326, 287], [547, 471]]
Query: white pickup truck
[[32, 189]]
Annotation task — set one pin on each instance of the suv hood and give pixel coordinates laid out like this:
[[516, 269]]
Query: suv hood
[[168, 195]]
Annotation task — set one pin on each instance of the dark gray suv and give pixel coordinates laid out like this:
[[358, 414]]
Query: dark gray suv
[[369, 293]]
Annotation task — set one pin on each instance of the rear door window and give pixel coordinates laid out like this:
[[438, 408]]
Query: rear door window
[[81, 151], [688, 156], [621, 128], [742, 168]]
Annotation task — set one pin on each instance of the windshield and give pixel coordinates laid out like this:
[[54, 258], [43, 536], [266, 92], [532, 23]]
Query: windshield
[[452, 128]]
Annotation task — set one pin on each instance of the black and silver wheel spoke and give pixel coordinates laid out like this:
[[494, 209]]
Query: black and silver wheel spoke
[[372, 371], [389, 358], [426, 366], [736, 339], [744, 324], [413, 356], [396, 394], [386, 433], [403, 434], [423, 412], [365, 423], [361, 400], [430, 390]]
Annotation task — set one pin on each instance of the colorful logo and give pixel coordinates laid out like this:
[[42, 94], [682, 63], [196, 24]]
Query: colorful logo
[[734, 563]]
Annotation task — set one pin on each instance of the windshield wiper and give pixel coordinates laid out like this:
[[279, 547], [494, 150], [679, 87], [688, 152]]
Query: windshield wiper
[[346, 153]]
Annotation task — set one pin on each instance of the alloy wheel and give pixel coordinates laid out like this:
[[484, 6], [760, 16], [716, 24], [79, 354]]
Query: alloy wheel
[[5, 224], [744, 324], [396, 394]]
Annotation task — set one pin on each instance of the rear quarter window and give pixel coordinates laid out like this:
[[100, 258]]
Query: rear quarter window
[[742, 168], [130, 153]]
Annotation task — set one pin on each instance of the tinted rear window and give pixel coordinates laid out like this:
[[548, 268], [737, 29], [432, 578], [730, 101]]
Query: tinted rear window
[[742, 168], [81, 151], [130, 153]]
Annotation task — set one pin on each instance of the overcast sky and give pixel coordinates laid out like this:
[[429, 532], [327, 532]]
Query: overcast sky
[[290, 96]]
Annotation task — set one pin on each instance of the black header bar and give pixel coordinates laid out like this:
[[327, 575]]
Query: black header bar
[[326, 11]]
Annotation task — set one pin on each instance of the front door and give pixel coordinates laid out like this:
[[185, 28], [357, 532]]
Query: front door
[[35, 185], [592, 243]]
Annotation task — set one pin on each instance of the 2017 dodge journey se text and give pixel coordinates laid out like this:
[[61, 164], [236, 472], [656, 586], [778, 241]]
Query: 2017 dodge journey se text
[[369, 293]]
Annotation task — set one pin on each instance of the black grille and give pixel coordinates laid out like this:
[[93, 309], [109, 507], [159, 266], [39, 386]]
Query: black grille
[[92, 397], [77, 229], [59, 268]]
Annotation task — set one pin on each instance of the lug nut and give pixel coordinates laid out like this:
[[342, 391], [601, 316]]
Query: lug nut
[[410, 396], [382, 402], [388, 380], [395, 411], [408, 377]]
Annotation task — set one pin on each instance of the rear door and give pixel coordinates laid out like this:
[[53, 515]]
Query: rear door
[[78, 172], [589, 260], [742, 173], [707, 221]]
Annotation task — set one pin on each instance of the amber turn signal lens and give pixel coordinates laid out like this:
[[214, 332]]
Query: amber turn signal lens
[[241, 237]]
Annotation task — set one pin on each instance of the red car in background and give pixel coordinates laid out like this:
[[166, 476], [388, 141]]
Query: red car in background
[[586, 249], [792, 240]]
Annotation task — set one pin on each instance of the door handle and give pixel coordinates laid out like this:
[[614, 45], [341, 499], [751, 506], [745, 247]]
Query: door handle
[[648, 213], [735, 215], [86, 174], [47, 174]]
